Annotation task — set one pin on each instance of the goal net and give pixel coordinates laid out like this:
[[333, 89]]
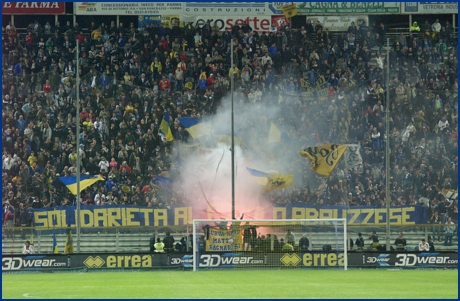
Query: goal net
[[269, 244]]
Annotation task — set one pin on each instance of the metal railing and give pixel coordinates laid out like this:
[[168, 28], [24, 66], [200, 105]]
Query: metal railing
[[140, 239]]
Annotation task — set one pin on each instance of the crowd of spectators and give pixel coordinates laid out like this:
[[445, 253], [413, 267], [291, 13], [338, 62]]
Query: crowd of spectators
[[130, 77]]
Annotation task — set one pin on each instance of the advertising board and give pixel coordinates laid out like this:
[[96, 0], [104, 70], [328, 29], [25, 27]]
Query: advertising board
[[224, 22], [406, 259], [367, 8], [127, 8], [338, 23], [228, 9], [33, 262], [429, 7], [33, 8]]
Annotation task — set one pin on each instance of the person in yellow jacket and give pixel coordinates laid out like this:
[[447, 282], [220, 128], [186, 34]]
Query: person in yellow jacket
[[415, 29], [95, 34], [235, 70], [159, 246], [156, 67]]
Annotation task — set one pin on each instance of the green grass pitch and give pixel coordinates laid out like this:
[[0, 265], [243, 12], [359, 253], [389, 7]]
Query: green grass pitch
[[282, 284]]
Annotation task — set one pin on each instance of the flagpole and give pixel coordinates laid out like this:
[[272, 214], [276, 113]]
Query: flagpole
[[233, 134], [387, 148], [77, 213]]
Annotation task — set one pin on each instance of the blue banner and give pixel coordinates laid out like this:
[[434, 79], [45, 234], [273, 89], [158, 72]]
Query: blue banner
[[145, 21], [128, 215], [111, 216], [356, 215]]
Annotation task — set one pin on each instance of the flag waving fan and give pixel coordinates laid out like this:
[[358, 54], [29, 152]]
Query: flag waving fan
[[85, 180], [324, 158]]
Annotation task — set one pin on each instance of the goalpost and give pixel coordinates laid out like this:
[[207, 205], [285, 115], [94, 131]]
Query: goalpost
[[269, 244]]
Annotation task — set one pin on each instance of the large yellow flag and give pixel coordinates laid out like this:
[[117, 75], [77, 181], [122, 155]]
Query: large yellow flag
[[279, 181], [324, 158], [289, 10]]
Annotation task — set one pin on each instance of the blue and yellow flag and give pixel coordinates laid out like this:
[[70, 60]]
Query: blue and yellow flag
[[55, 249], [276, 135], [324, 158], [259, 176], [276, 181], [195, 127], [165, 128], [85, 180]]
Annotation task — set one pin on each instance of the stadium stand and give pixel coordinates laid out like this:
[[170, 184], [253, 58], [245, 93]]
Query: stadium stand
[[123, 69]]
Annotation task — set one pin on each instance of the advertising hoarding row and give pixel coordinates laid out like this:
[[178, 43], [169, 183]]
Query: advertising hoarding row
[[227, 260], [229, 9]]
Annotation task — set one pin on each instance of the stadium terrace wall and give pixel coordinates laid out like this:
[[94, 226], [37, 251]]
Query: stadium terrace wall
[[227, 260], [126, 215]]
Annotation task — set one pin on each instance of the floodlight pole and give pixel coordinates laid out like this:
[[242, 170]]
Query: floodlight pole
[[387, 148], [77, 213], [233, 134]]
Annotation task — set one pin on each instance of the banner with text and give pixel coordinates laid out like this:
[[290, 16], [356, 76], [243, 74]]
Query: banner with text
[[318, 91], [224, 240], [408, 259], [110, 216], [127, 8], [338, 23], [323, 8], [124, 215], [226, 8], [429, 7], [171, 8], [33, 8], [258, 23], [33, 262], [359, 215], [145, 21]]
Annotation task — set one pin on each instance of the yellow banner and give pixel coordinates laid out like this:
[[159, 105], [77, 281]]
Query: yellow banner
[[225, 240], [324, 158], [289, 10]]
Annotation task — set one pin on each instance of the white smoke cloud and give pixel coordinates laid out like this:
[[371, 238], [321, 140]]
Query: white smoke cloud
[[206, 178]]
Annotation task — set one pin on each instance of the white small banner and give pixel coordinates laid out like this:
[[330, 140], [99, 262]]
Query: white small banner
[[352, 156], [338, 23]]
